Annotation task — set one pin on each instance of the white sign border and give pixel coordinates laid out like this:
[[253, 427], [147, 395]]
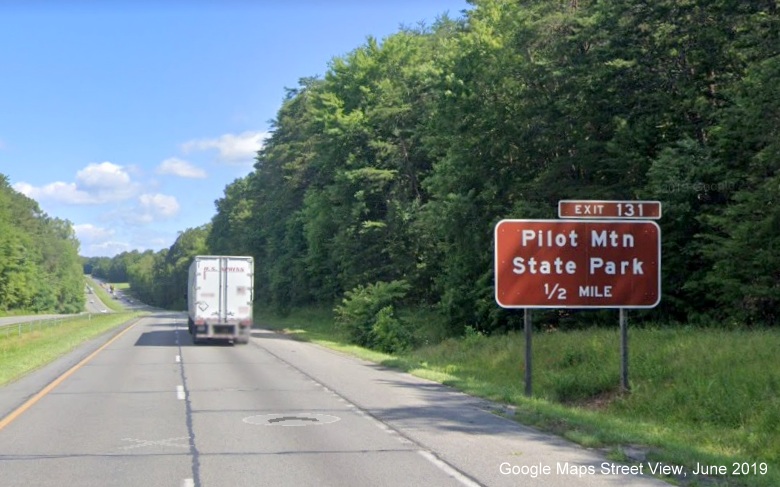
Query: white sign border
[[573, 220]]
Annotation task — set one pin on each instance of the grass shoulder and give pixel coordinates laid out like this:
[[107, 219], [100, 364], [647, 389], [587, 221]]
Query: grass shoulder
[[21, 354], [699, 396]]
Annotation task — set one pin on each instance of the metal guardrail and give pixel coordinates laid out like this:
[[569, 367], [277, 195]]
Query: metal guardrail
[[30, 325]]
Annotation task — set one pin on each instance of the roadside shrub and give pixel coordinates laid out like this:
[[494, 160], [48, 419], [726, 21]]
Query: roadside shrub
[[389, 334], [367, 315]]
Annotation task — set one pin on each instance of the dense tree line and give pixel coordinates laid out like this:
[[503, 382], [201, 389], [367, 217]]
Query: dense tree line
[[40, 268], [396, 165]]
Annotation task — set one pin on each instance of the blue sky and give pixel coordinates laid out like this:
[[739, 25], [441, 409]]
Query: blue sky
[[130, 118]]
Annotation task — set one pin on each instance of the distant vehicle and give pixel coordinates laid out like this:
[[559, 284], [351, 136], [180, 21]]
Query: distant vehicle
[[220, 292]]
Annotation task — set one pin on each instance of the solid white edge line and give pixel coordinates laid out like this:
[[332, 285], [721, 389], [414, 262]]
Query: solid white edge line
[[180, 392], [444, 467]]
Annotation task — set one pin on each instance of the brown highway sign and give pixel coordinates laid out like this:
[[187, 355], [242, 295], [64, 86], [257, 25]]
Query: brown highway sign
[[592, 209], [577, 264]]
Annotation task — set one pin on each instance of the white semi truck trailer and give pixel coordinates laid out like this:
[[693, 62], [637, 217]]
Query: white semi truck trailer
[[219, 298]]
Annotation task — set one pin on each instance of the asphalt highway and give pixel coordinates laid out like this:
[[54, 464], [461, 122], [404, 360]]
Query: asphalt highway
[[149, 408]]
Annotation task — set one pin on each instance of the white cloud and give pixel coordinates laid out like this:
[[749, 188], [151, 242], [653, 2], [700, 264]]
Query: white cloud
[[88, 233], [178, 167], [105, 249], [103, 176], [149, 208], [157, 207], [58, 192], [127, 238], [97, 241], [96, 184], [232, 148]]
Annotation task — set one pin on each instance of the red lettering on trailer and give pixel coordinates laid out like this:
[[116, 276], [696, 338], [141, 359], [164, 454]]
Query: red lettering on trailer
[[233, 269], [223, 269], [208, 269]]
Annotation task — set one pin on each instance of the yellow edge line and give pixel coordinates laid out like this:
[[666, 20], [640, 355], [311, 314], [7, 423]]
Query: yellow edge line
[[37, 397]]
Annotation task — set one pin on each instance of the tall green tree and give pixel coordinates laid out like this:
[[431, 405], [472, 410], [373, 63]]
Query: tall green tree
[[40, 269], [745, 276], [399, 162]]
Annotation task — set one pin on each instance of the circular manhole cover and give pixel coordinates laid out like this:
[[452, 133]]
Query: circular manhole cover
[[291, 419]]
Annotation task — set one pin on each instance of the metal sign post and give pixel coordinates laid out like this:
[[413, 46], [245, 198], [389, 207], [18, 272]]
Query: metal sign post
[[624, 351], [528, 334]]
